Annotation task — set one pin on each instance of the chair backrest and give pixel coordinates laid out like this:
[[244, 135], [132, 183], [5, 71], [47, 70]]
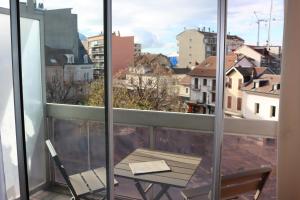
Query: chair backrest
[[60, 167], [243, 182]]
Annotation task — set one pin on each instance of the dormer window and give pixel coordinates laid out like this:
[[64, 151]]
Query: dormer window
[[70, 58], [276, 87]]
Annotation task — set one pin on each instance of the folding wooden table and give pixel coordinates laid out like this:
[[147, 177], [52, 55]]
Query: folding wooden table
[[182, 169]]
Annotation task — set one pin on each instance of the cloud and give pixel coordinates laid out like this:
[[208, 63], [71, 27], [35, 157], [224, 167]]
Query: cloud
[[156, 23]]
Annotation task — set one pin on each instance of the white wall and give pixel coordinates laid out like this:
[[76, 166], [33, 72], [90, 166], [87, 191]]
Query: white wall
[[198, 94], [77, 72], [247, 51], [265, 103]]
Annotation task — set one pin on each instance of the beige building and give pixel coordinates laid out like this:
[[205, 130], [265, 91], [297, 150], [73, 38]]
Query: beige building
[[195, 45], [95, 49], [191, 48], [236, 78]]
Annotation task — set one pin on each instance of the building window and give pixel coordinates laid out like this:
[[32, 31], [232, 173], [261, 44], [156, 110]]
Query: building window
[[239, 104], [229, 98], [204, 97], [213, 97], [187, 90], [229, 83], [196, 84], [214, 85], [273, 111], [256, 108], [205, 82], [240, 83], [191, 40]]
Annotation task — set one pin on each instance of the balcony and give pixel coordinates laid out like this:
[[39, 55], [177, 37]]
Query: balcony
[[78, 136], [196, 88], [97, 52]]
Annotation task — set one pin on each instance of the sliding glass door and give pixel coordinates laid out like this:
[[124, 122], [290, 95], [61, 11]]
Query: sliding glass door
[[163, 68]]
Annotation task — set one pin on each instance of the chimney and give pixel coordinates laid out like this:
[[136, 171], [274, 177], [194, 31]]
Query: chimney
[[31, 4], [254, 73], [203, 28], [209, 29], [41, 6]]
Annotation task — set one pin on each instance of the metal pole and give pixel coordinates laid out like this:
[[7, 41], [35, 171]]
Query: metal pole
[[258, 31], [18, 98], [269, 31], [219, 111], [107, 17]]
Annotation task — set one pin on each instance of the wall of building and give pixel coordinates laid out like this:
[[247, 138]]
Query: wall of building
[[122, 52], [247, 51], [184, 91], [197, 94], [191, 48], [265, 103], [83, 72], [234, 92], [61, 30]]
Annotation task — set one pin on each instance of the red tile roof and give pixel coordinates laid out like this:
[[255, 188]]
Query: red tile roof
[[267, 88], [208, 67]]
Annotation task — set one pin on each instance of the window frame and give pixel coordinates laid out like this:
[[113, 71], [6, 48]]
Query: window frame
[[256, 108]]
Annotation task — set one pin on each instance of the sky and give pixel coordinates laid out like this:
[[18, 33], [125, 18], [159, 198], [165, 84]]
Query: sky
[[156, 23]]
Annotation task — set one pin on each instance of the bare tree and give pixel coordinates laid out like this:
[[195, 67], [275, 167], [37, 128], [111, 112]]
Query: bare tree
[[155, 92], [60, 91]]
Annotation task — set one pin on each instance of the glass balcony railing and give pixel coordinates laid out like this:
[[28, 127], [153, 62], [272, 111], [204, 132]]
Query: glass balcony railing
[[78, 132]]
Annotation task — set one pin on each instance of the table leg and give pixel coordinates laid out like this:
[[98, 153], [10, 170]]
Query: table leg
[[164, 190], [168, 195], [140, 189]]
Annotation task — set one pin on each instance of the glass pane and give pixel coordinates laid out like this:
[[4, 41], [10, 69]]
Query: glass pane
[[252, 89], [9, 180], [58, 69], [164, 59]]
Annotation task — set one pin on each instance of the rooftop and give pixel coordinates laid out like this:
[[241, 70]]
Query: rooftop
[[208, 67], [267, 87]]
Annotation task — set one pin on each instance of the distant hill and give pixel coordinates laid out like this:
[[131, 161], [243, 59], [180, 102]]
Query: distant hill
[[82, 37]]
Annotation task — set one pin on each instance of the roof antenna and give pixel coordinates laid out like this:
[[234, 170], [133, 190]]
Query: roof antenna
[[269, 31], [258, 26]]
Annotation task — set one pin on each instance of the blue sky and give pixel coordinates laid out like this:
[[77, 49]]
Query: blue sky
[[156, 23]]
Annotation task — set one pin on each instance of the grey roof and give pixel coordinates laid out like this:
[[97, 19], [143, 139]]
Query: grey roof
[[181, 70]]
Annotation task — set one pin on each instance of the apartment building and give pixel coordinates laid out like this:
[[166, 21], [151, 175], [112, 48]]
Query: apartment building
[[261, 98], [137, 49], [195, 45], [203, 85], [123, 51]]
